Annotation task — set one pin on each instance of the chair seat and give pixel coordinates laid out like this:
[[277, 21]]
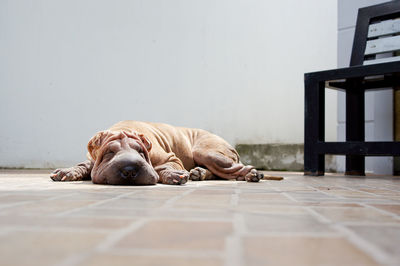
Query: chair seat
[[354, 81]]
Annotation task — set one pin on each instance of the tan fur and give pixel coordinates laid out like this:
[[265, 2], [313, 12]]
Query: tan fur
[[170, 152]]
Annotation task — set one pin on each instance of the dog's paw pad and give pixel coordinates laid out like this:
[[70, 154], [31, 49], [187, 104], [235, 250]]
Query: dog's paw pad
[[197, 174], [65, 174]]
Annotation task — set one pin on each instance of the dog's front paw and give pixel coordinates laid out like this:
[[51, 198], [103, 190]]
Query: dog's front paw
[[66, 174], [254, 176], [174, 177]]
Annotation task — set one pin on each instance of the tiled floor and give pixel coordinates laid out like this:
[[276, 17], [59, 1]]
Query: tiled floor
[[329, 220]]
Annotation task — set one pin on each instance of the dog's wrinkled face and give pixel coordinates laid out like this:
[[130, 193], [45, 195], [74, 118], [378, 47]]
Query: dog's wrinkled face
[[121, 158]]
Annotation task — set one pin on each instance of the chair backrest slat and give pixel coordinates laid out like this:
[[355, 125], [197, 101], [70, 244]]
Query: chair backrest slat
[[383, 45], [382, 60], [385, 27]]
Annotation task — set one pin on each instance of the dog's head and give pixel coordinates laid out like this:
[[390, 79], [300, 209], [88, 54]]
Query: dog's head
[[121, 158]]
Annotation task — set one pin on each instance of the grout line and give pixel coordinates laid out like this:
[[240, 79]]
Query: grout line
[[233, 253], [388, 189], [394, 224], [42, 229], [368, 248], [105, 245], [355, 190], [326, 193], [119, 234], [235, 197], [5, 206], [113, 238], [156, 217], [316, 215], [233, 243], [290, 197], [95, 204], [165, 252], [169, 203], [350, 200], [395, 216], [60, 196], [295, 234], [5, 231], [34, 201]]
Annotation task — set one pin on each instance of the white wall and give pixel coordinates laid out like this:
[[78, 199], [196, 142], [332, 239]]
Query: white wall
[[378, 104], [70, 68]]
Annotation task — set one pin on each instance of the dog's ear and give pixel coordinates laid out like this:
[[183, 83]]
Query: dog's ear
[[146, 142], [96, 141]]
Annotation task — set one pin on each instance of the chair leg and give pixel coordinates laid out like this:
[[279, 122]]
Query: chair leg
[[355, 165], [355, 126], [314, 164], [314, 126]]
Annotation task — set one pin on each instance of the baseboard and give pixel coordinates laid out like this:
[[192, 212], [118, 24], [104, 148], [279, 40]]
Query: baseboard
[[279, 157]]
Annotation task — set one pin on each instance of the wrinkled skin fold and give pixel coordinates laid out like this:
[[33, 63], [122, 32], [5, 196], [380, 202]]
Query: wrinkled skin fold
[[142, 153]]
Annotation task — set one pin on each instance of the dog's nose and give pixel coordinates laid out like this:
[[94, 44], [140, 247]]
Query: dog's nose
[[129, 171]]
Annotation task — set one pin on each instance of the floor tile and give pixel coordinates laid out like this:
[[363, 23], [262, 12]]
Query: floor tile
[[44, 248], [307, 251], [395, 209], [178, 235], [290, 222], [107, 260], [330, 220], [361, 215], [386, 238]]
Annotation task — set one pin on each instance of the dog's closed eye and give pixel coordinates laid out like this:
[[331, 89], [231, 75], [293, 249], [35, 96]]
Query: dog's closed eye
[[108, 155]]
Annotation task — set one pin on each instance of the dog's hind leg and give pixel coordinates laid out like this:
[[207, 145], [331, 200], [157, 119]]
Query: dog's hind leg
[[78, 172], [222, 160]]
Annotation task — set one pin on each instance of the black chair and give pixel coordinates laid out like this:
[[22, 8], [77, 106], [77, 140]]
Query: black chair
[[377, 33]]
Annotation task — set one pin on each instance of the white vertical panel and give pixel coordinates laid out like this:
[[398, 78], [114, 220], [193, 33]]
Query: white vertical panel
[[347, 13]]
